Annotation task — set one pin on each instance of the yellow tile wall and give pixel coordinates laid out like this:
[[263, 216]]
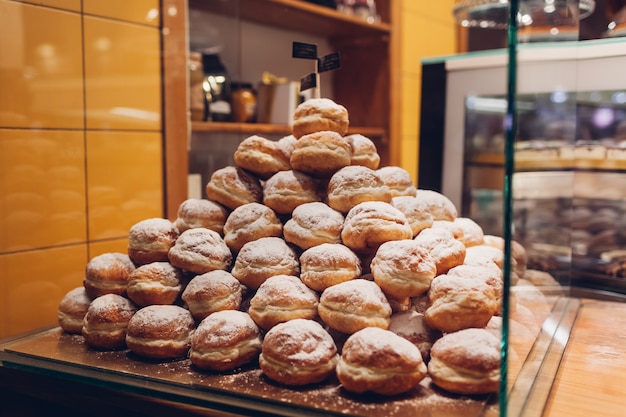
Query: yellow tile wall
[[427, 29], [80, 144]]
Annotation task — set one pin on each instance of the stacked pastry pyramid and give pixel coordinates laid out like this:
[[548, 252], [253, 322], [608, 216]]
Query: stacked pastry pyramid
[[311, 261]]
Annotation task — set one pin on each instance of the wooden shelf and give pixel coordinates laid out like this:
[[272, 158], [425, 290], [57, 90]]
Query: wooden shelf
[[297, 15], [272, 129]]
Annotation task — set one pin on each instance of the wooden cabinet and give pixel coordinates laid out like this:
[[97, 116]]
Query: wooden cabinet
[[363, 84]]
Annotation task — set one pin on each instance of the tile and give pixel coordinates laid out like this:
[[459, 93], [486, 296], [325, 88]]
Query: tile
[[42, 188], [124, 181], [138, 11], [41, 67], [122, 75], [37, 278], [73, 5], [104, 246]]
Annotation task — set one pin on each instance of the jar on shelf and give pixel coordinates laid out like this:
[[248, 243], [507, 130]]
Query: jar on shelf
[[196, 92], [243, 100], [216, 86]]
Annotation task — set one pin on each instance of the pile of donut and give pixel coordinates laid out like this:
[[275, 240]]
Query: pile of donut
[[310, 260]]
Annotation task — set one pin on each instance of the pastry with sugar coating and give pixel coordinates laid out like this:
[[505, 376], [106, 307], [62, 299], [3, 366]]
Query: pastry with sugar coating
[[317, 114], [355, 184], [325, 265], [466, 362], [200, 250], [398, 180], [107, 273], [298, 352], [233, 187], [150, 240], [160, 332], [250, 222], [320, 154], [379, 361], [210, 292], [263, 258], [440, 206], [72, 309], [106, 321], [446, 251], [286, 190], [225, 340], [412, 326], [313, 224], [282, 298], [416, 212], [353, 305], [197, 212], [363, 151], [261, 156], [155, 283]]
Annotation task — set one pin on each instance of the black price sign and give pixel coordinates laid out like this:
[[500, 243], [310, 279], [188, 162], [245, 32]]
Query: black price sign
[[308, 81], [328, 62], [304, 50]]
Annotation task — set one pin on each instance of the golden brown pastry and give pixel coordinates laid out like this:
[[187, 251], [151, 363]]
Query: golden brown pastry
[[325, 265], [263, 258], [440, 206], [519, 257], [261, 156], [460, 302], [197, 212], [398, 180], [403, 268], [225, 340], [233, 187], [416, 212], [541, 279], [155, 283], [160, 332], [452, 227], [200, 250], [355, 184], [379, 361], [106, 321], [317, 114], [286, 190], [466, 362], [446, 251], [363, 151], [472, 232], [107, 273], [320, 154], [372, 223], [282, 298], [412, 326], [298, 352], [150, 240], [210, 292], [287, 144], [72, 309], [491, 276], [312, 224], [250, 222], [353, 305]]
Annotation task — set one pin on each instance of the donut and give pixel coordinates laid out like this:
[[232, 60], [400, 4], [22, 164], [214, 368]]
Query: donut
[[363, 151], [370, 224], [261, 156], [317, 114], [282, 298], [197, 212], [225, 340], [150, 240], [250, 222], [72, 309], [353, 305], [355, 184], [466, 362], [484, 254], [155, 283], [472, 232], [200, 250], [312, 224], [519, 257], [460, 302], [446, 251], [325, 265], [107, 273], [212, 291], [232, 187], [398, 180], [416, 212], [160, 332], [541, 279], [403, 268], [287, 144], [286, 190], [440, 206], [452, 227], [263, 258], [412, 326], [298, 352], [379, 361], [321, 153], [106, 321], [491, 276]]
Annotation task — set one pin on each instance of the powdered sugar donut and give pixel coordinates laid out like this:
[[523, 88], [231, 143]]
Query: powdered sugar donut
[[321, 153], [107, 273], [325, 265], [72, 310], [440, 206], [312, 224], [416, 212], [261, 156], [363, 151], [200, 250], [398, 180], [317, 114], [196, 212], [355, 184], [150, 240], [412, 326], [155, 283], [446, 251], [232, 187], [106, 321], [286, 190], [210, 292], [250, 222]]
